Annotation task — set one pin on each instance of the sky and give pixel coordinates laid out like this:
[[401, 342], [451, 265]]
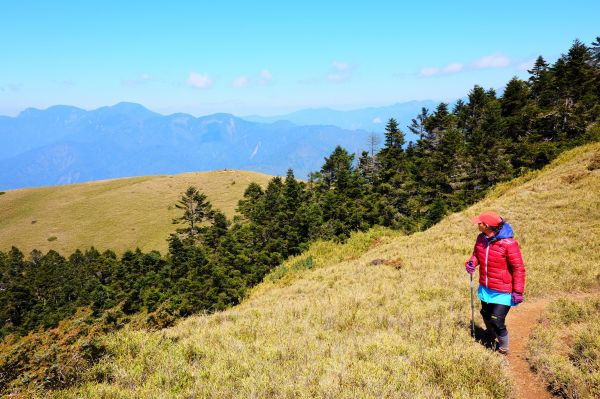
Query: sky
[[273, 57]]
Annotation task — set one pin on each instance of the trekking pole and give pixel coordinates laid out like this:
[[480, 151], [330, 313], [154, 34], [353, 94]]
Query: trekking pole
[[472, 310]]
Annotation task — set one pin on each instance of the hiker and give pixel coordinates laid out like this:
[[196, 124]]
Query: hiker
[[501, 273]]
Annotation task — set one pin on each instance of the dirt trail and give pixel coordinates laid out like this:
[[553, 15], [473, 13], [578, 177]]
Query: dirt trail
[[520, 322]]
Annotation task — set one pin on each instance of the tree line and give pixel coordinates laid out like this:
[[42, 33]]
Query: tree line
[[460, 153]]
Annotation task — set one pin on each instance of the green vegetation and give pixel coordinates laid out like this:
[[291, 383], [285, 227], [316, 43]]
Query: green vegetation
[[366, 327], [565, 348], [354, 326]]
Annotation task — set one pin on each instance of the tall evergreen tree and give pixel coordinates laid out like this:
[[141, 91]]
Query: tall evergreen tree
[[417, 125], [196, 209]]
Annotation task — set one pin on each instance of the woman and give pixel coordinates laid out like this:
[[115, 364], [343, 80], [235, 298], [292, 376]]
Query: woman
[[501, 273]]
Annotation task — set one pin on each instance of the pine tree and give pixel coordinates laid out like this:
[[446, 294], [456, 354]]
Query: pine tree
[[595, 49], [417, 126], [250, 206], [435, 124], [391, 156], [196, 209], [514, 98], [337, 168], [541, 83], [394, 138]]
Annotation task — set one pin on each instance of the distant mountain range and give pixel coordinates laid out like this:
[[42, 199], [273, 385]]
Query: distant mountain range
[[371, 119], [64, 144]]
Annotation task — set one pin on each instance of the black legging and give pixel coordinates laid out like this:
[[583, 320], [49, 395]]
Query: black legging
[[495, 314]]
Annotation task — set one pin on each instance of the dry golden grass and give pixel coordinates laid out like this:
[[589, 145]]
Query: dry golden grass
[[352, 326], [565, 348], [116, 214]]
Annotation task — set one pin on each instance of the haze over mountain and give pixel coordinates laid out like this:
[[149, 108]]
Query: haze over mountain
[[371, 119], [63, 144]]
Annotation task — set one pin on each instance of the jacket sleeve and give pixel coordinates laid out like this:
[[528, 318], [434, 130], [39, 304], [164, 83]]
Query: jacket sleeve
[[474, 254], [517, 267]]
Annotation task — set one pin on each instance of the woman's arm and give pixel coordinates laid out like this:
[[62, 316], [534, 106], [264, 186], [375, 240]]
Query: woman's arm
[[516, 265]]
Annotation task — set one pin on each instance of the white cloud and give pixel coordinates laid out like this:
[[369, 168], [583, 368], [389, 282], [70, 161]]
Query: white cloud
[[376, 120], [264, 77], [338, 77], [429, 71], [341, 71], [199, 80], [497, 60], [341, 66], [526, 65], [492, 61], [240, 82], [454, 67]]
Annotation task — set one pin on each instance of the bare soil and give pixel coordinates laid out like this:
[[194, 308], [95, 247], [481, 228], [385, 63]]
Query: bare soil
[[520, 321]]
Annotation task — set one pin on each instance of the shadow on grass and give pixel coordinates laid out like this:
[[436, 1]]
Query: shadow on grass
[[484, 338]]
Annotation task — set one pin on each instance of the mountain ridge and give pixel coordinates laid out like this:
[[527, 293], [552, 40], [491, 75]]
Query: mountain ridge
[[67, 144]]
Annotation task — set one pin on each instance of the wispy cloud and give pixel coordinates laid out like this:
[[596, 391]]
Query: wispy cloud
[[497, 60], [526, 65], [264, 77], [341, 66], [67, 83], [451, 68], [199, 80], [340, 72], [492, 61], [240, 82], [454, 67], [137, 81]]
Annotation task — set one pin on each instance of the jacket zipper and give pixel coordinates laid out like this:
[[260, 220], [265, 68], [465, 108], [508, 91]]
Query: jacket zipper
[[487, 250]]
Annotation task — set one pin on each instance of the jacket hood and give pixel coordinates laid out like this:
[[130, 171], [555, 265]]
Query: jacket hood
[[505, 232]]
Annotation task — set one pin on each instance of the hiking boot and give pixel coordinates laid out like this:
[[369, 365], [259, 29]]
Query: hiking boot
[[503, 345]]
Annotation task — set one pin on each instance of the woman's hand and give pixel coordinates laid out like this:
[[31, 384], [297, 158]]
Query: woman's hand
[[517, 298], [470, 267]]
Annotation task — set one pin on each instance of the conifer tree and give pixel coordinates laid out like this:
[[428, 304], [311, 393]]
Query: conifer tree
[[595, 49], [196, 209], [541, 83], [417, 125]]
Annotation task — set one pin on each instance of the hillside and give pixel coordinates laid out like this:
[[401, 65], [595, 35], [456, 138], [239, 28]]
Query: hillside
[[380, 316], [116, 214]]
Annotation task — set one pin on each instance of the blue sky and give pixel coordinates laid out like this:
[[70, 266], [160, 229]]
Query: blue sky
[[272, 57]]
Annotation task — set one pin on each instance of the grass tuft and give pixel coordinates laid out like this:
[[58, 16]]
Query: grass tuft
[[565, 348]]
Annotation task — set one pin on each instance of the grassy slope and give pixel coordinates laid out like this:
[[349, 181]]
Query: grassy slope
[[565, 348], [348, 328], [116, 214]]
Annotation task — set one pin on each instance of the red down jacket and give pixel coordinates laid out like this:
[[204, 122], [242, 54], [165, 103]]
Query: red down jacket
[[501, 266]]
